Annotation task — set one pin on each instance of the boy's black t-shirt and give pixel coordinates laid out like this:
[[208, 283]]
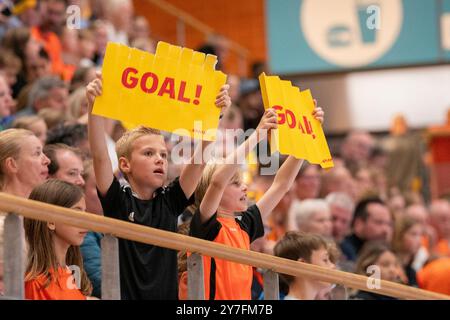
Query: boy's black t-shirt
[[146, 271]]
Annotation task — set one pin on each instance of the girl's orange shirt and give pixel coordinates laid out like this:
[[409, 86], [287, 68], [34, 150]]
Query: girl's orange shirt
[[62, 287]]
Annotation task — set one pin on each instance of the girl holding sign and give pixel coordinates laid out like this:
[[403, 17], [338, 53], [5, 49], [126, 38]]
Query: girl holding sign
[[224, 217]]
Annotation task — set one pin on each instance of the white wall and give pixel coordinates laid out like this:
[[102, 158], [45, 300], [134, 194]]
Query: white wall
[[370, 99]]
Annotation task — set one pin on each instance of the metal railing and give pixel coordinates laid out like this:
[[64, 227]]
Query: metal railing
[[113, 228]]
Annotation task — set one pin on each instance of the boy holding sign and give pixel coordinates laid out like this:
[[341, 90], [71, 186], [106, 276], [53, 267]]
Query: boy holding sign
[[224, 217], [146, 271]]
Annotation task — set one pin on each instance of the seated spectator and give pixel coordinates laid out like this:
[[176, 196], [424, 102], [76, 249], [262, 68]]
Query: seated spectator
[[311, 216], [440, 220], [23, 166], [74, 135], [78, 105], [341, 208], [371, 221], [54, 248], [250, 103], [47, 92], [406, 244], [10, 66], [35, 124], [307, 182], [140, 28], [81, 78], [48, 31], [435, 276], [87, 47], [420, 213], [381, 256], [24, 46], [38, 66], [308, 248], [357, 149], [119, 14], [337, 179], [6, 102], [66, 163], [100, 30], [365, 185]]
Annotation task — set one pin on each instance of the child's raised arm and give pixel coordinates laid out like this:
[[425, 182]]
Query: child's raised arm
[[284, 178], [192, 172], [221, 177], [96, 132]]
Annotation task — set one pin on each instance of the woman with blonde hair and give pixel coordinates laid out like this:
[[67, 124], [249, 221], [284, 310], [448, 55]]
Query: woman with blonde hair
[[54, 248], [23, 166], [406, 243]]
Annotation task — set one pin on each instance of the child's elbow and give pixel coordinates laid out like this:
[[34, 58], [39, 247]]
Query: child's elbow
[[217, 183]]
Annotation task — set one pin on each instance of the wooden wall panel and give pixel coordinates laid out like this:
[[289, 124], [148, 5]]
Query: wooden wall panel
[[241, 21]]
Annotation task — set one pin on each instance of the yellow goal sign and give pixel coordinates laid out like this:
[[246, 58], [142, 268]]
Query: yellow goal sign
[[298, 133], [172, 90]]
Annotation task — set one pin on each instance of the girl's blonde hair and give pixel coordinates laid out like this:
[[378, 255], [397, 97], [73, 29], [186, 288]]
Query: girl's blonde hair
[[205, 180], [10, 143], [41, 253]]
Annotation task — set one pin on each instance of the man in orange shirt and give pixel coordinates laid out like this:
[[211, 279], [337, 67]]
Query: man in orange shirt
[[435, 276], [53, 15]]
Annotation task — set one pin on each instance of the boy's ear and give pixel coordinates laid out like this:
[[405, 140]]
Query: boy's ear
[[51, 226], [11, 165], [124, 165]]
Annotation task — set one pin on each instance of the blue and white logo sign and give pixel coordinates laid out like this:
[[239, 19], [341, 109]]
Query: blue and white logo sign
[[338, 35], [351, 33]]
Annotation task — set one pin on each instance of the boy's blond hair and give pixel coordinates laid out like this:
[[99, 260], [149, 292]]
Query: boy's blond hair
[[124, 146], [205, 180]]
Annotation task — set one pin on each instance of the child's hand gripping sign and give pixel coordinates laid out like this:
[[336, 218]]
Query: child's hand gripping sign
[[169, 90], [298, 133]]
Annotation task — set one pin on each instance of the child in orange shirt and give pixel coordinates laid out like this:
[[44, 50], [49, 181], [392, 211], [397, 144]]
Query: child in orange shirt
[[55, 246], [223, 216]]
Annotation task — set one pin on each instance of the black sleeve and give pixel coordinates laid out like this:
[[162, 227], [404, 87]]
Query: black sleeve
[[112, 200], [208, 230], [175, 197], [251, 222]]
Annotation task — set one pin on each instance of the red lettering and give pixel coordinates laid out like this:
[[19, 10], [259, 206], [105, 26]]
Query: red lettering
[[181, 96], [281, 116], [168, 87], [154, 82], [308, 127], [198, 92], [130, 82], [300, 127], [290, 114]]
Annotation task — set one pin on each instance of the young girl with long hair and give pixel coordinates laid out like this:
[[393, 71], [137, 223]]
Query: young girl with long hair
[[54, 248]]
